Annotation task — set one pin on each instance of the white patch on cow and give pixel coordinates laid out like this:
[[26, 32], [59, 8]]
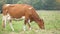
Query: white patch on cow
[[29, 21], [30, 8], [11, 26], [23, 17], [8, 16], [7, 4]]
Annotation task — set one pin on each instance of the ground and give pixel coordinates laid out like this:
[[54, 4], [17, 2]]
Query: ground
[[51, 22]]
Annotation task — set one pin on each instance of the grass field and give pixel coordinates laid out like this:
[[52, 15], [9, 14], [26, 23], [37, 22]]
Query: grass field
[[51, 20]]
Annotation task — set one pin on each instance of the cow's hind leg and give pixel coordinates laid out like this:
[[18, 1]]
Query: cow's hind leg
[[10, 22], [4, 21]]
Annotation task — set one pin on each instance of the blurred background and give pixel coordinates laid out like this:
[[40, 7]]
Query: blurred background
[[37, 4]]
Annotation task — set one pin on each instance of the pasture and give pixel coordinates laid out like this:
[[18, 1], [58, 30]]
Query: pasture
[[51, 19]]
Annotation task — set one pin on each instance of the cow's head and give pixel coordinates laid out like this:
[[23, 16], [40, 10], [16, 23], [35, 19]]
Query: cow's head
[[41, 23]]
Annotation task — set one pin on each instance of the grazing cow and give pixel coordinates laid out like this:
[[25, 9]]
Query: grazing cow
[[18, 11]]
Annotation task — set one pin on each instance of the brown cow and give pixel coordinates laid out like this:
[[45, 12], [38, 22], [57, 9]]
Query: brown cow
[[18, 11]]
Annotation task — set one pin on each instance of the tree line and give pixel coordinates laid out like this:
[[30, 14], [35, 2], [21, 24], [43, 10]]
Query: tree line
[[37, 4]]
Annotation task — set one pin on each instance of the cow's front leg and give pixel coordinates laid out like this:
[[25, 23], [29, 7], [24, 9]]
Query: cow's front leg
[[25, 22], [10, 22], [29, 24]]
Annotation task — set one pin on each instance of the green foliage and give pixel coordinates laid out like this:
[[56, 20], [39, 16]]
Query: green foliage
[[1, 3], [37, 4]]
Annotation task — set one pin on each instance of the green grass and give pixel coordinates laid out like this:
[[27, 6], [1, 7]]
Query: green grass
[[51, 20]]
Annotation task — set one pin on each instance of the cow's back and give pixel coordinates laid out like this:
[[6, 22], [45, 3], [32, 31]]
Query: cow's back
[[17, 10]]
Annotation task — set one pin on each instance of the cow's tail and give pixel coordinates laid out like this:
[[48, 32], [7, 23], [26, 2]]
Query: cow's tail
[[37, 19], [4, 10], [4, 18]]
